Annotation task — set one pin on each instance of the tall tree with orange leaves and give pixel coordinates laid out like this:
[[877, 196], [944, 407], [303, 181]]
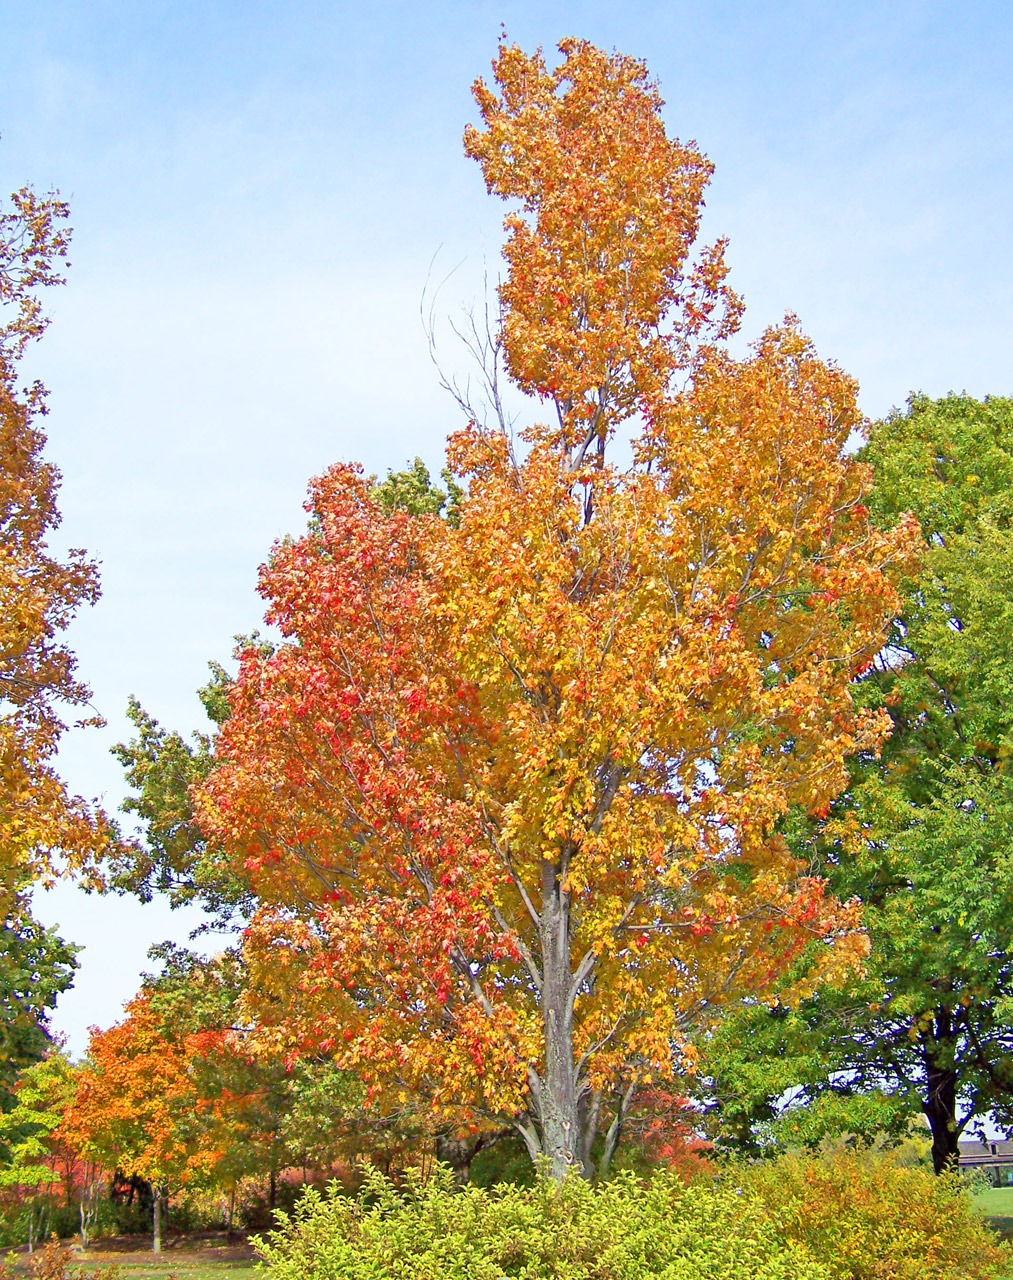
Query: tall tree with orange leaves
[[43, 829], [38, 592], [509, 791]]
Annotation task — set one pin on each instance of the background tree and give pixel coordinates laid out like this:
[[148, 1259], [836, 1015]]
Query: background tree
[[35, 966], [241, 1101], [508, 792], [172, 857], [262, 1114], [134, 1109], [923, 834], [29, 1147]]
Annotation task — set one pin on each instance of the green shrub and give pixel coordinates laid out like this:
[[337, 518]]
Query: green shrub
[[622, 1230], [871, 1219]]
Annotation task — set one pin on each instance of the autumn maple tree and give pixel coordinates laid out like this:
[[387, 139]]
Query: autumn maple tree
[[43, 829], [509, 790]]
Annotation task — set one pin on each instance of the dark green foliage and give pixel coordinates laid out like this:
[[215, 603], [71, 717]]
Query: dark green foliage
[[35, 967], [175, 859], [193, 993], [504, 1160]]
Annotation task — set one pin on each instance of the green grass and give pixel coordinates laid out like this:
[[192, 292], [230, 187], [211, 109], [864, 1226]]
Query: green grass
[[997, 1205], [997, 1202]]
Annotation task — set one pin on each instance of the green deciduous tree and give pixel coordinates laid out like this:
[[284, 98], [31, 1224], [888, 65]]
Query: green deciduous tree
[[173, 857], [35, 966], [28, 1132]]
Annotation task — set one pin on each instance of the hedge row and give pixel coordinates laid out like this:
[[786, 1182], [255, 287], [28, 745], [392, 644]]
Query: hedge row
[[788, 1221]]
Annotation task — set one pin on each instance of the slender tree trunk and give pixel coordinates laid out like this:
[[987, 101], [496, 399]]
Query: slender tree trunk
[[272, 1193], [156, 1216], [615, 1129], [940, 1107]]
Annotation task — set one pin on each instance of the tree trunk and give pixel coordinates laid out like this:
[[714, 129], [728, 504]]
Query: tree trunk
[[272, 1194], [615, 1129], [458, 1153], [156, 1216], [940, 1107], [558, 1100]]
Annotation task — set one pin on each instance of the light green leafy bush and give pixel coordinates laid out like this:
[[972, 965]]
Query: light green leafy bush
[[622, 1230]]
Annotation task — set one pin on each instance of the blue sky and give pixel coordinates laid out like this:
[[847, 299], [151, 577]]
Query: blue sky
[[258, 191]]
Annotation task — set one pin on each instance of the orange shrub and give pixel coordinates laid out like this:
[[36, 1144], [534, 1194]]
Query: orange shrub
[[873, 1220]]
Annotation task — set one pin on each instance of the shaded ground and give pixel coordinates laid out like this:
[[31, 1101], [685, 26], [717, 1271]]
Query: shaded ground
[[202, 1257]]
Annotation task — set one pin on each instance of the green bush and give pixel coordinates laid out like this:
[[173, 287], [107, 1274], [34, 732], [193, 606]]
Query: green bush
[[622, 1230]]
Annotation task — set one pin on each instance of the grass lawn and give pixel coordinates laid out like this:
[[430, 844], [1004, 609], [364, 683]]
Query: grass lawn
[[996, 1202]]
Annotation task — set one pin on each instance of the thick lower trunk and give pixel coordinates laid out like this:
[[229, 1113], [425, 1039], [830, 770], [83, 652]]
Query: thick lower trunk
[[560, 1126], [940, 1107], [558, 1100]]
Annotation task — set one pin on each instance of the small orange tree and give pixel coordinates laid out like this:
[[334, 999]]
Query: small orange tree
[[135, 1106], [509, 791]]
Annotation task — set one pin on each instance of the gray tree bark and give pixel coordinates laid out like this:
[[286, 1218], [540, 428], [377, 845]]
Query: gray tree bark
[[156, 1216], [558, 1110]]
